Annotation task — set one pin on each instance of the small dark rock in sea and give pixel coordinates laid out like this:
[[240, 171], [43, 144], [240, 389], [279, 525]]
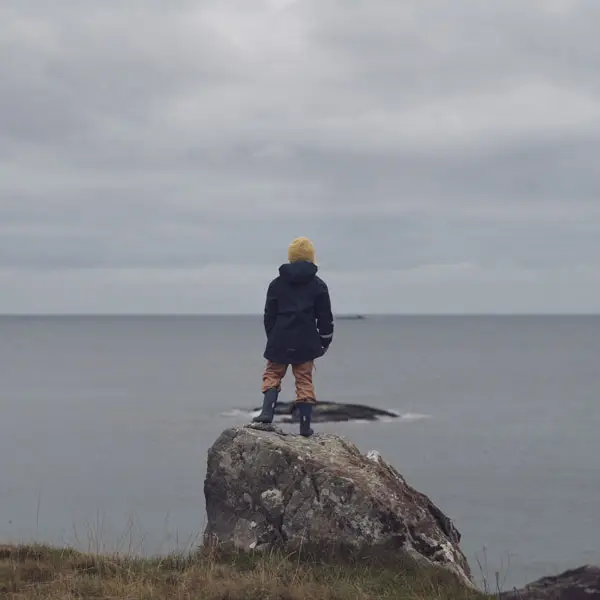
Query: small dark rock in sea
[[324, 412]]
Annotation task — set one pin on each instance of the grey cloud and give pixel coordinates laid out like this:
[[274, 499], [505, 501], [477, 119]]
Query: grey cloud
[[399, 135]]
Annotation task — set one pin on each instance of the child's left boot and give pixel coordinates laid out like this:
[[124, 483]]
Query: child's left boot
[[305, 412]]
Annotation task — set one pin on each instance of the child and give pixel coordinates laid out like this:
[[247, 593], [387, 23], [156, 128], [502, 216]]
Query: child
[[299, 327]]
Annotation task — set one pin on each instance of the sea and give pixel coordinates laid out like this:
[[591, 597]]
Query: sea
[[106, 421]]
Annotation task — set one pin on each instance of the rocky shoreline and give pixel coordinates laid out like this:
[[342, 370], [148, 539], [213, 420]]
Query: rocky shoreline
[[290, 518], [268, 490]]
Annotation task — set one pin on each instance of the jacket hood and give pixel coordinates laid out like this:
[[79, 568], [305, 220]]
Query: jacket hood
[[298, 272]]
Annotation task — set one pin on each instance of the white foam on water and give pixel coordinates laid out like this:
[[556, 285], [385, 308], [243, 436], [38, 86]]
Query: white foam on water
[[414, 417], [238, 412]]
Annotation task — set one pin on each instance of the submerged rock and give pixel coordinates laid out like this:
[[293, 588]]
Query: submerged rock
[[267, 489], [576, 584], [332, 412]]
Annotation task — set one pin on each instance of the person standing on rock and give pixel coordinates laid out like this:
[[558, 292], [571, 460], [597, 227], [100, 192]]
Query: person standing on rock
[[299, 326]]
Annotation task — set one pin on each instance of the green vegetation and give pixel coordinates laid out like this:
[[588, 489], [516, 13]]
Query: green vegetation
[[45, 573]]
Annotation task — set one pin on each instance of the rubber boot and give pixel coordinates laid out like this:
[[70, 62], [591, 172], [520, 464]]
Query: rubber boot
[[268, 408], [305, 412]]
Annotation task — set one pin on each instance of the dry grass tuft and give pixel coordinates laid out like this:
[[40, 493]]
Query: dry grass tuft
[[45, 573]]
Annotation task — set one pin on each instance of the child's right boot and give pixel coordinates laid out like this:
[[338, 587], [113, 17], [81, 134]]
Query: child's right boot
[[305, 412], [268, 408]]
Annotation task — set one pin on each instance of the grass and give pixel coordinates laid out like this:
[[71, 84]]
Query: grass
[[46, 573]]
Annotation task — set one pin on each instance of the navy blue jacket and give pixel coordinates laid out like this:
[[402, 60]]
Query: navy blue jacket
[[298, 319]]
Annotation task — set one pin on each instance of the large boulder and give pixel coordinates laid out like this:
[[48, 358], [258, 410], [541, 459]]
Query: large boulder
[[265, 488], [576, 584]]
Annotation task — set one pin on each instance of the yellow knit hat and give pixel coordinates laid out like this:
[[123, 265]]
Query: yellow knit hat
[[301, 249]]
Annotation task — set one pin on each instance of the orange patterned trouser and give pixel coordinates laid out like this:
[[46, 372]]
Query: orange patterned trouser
[[305, 389]]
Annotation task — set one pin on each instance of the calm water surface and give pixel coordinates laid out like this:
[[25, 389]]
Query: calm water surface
[[106, 423]]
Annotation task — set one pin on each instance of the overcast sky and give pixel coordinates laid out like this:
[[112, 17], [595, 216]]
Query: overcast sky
[[159, 156]]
